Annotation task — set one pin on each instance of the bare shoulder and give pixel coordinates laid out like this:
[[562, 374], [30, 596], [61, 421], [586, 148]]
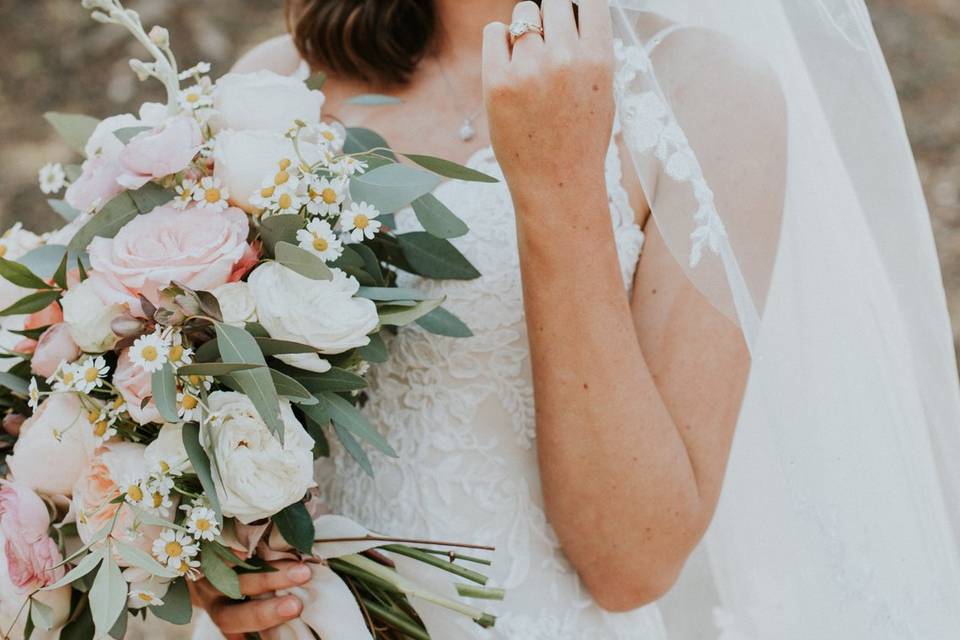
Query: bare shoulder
[[276, 54]]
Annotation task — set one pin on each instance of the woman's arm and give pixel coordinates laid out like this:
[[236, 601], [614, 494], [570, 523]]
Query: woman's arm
[[637, 400]]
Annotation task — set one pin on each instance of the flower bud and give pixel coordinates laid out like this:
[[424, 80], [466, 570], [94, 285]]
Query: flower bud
[[127, 326], [142, 69], [160, 36]]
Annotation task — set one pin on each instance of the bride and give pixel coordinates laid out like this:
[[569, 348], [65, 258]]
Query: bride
[[787, 291]]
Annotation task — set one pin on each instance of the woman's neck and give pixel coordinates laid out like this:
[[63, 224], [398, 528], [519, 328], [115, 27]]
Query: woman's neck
[[462, 23]]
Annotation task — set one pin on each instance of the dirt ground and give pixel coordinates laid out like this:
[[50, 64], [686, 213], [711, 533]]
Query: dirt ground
[[53, 57]]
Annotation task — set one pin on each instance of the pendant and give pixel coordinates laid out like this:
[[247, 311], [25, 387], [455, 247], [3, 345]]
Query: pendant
[[467, 132]]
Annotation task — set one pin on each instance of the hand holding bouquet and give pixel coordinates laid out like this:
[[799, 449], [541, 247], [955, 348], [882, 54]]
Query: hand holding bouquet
[[177, 355]]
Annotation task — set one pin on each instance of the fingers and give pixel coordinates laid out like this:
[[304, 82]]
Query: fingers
[[529, 43], [559, 26], [254, 615], [596, 24], [287, 575], [496, 50]]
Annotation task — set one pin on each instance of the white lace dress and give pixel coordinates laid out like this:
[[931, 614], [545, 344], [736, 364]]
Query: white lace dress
[[460, 414]]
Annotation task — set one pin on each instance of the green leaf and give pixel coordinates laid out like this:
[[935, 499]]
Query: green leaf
[[108, 595], [201, 464], [41, 614], [391, 294], [218, 573], [236, 345], [31, 303], [353, 447], [288, 387], [60, 275], [316, 81], [20, 275], [282, 228], [29, 627], [373, 100], [14, 383], [302, 261], [401, 316], [75, 129], [274, 347], [81, 626], [117, 213], [435, 257], [360, 140], [164, 388], [437, 219], [126, 134], [150, 196], [147, 518], [338, 380], [371, 264], [392, 187], [139, 558], [296, 527], [43, 261], [63, 209], [376, 351], [443, 323], [349, 417], [215, 368], [449, 169], [176, 607], [119, 630]]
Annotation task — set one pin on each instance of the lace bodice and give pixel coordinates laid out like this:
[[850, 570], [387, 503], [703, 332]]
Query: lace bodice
[[460, 414]]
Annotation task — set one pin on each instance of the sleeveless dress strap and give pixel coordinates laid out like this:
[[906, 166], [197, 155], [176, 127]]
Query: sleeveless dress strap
[[660, 36]]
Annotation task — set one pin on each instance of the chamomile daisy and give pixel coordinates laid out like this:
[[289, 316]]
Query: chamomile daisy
[[174, 548], [330, 136], [319, 238], [180, 355], [199, 382], [33, 394], [287, 199], [185, 194], [150, 352], [211, 194], [202, 523], [136, 493], [326, 196], [52, 178], [103, 429], [195, 98], [359, 221], [140, 598], [65, 377], [188, 406], [348, 166], [91, 374]]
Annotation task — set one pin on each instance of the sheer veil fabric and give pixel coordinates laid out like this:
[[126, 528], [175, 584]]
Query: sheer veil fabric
[[840, 514]]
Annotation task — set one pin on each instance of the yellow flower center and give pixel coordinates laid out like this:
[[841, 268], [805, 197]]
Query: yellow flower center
[[173, 549], [3, 250], [285, 164], [202, 524], [285, 201], [164, 467], [189, 403], [176, 352], [100, 429], [93, 415], [118, 402], [329, 135], [184, 567], [361, 221], [145, 597], [320, 244], [212, 195], [193, 98], [135, 493], [267, 192], [195, 380], [281, 178], [68, 377], [149, 353], [91, 374], [157, 499], [329, 195]]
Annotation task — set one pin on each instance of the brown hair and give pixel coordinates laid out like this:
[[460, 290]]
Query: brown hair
[[378, 41]]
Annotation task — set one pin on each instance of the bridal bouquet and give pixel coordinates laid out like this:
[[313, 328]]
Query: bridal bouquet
[[175, 357]]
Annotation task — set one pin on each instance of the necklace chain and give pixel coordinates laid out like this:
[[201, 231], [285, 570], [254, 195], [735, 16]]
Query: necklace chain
[[467, 129]]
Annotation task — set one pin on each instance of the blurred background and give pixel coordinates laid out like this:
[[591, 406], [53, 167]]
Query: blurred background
[[52, 56]]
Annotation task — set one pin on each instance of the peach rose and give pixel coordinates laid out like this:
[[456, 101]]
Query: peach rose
[[134, 384], [97, 184], [30, 552], [54, 447], [56, 345], [168, 245], [160, 152]]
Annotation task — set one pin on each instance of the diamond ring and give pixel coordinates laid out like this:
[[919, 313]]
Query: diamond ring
[[520, 28]]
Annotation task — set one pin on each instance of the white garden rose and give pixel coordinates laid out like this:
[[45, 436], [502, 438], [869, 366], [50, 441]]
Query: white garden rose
[[236, 303], [244, 159], [263, 100], [321, 313], [88, 318], [254, 474]]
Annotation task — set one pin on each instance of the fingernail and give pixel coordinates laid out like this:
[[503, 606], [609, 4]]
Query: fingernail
[[299, 573], [289, 607]]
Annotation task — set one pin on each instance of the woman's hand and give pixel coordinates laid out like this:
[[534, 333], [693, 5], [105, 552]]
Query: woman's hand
[[238, 618], [550, 98]]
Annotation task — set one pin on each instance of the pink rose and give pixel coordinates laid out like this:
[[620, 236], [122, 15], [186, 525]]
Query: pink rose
[[30, 552], [166, 245], [96, 185], [44, 318], [56, 345], [160, 152], [134, 384]]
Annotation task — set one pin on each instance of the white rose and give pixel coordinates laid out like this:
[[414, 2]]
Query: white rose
[[321, 313], [103, 140], [167, 453], [88, 318], [244, 159], [55, 446], [254, 474], [236, 303], [263, 100]]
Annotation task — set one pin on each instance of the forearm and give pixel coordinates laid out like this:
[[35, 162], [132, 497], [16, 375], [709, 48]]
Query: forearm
[[619, 485]]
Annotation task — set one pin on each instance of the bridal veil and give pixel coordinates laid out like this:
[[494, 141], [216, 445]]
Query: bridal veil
[[840, 514]]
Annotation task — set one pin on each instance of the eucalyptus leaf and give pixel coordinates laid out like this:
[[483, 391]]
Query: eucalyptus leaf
[[236, 345], [443, 323], [126, 134], [75, 129], [371, 264], [373, 100], [32, 303], [360, 140], [376, 351], [60, 275], [215, 368], [176, 607], [108, 595], [14, 383], [391, 294], [139, 558], [218, 573], [119, 630], [435, 257], [117, 213], [288, 387], [353, 447], [449, 169], [302, 261], [164, 388], [80, 626], [282, 228], [437, 219], [392, 187], [274, 347], [337, 380], [63, 209], [85, 566], [21, 275], [401, 316], [296, 527], [45, 260], [349, 417], [201, 464], [41, 614]]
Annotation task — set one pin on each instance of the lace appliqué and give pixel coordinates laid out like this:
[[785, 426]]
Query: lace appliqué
[[650, 126]]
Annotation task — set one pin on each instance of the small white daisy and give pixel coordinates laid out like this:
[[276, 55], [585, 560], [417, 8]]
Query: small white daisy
[[199, 382], [188, 406], [179, 354], [52, 178], [136, 494], [173, 548], [328, 135], [150, 352], [158, 503], [360, 221], [33, 394], [189, 567], [65, 378], [103, 429], [319, 238], [287, 199], [184, 197], [91, 374], [117, 407], [140, 598], [201, 68], [211, 194], [195, 98], [202, 523], [348, 166], [326, 196]]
